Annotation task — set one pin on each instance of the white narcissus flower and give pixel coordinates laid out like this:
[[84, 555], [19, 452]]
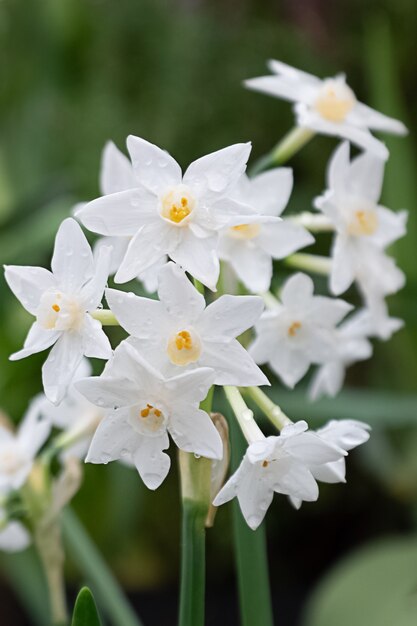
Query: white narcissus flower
[[145, 407], [18, 450], [60, 300], [345, 435], [170, 213], [180, 331], [13, 535], [298, 331], [327, 106], [363, 228], [350, 344], [250, 248], [116, 174], [277, 464]]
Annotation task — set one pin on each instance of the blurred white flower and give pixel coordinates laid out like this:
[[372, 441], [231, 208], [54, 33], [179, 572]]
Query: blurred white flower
[[250, 248], [75, 415], [278, 464], [345, 435], [298, 331], [18, 449], [145, 407], [13, 535], [363, 228], [180, 331], [350, 345], [167, 213], [60, 300], [116, 174], [327, 106]]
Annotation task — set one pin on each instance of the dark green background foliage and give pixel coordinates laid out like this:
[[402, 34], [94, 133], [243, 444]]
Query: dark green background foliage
[[75, 73]]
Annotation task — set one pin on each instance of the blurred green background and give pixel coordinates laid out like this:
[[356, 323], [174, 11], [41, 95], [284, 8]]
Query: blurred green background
[[75, 73]]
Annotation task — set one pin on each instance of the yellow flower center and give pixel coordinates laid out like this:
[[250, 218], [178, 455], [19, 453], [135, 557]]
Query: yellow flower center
[[177, 204], [294, 328], [265, 464], [335, 100], [151, 418], [245, 231], [184, 347], [364, 222], [58, 311]]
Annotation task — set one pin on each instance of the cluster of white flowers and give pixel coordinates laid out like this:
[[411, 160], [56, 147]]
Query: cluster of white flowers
[[156, 224]]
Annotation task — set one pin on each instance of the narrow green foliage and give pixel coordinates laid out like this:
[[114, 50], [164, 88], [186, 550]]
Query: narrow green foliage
[[251, 553]]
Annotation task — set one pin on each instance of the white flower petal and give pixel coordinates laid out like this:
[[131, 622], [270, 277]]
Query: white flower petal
[[391, 226], [119, 214], [193, 431], [108, 392], [95, 341], [229, 316], [331, 472], [255, 496], [216, 173], [232, 364], [271, 190], [311, 449], [150, 460], [28, 284], [328, 312], [327, 380], [296, 481], [289, 364], [251, 264], [198, 257], [378, 121], [72, 261], [114, 439], [140, 316], [297, 291], [61, 365], [37, 340], [343, 265], [92, 292], [277, 86], [191, 386], [338, 168], [116, 170], [14, 537], [146, 248], [365, 176], [359, 136], [282, 239], [154, 168], [346, 434], [34, 428], [178, 295]]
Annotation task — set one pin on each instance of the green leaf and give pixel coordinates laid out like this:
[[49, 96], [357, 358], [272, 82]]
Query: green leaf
[[376, 586], [85, 610]]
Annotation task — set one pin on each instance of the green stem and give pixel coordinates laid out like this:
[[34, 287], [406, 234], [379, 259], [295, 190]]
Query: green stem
[[293, 141], [207, 403], [49, 546], [250, 554], [95, 569], [243, 414], [195, 488], [105, 316], [272, 411], [314, 222], [310, 262]]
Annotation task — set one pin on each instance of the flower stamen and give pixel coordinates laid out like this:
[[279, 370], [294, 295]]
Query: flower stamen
[[294, 328]]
